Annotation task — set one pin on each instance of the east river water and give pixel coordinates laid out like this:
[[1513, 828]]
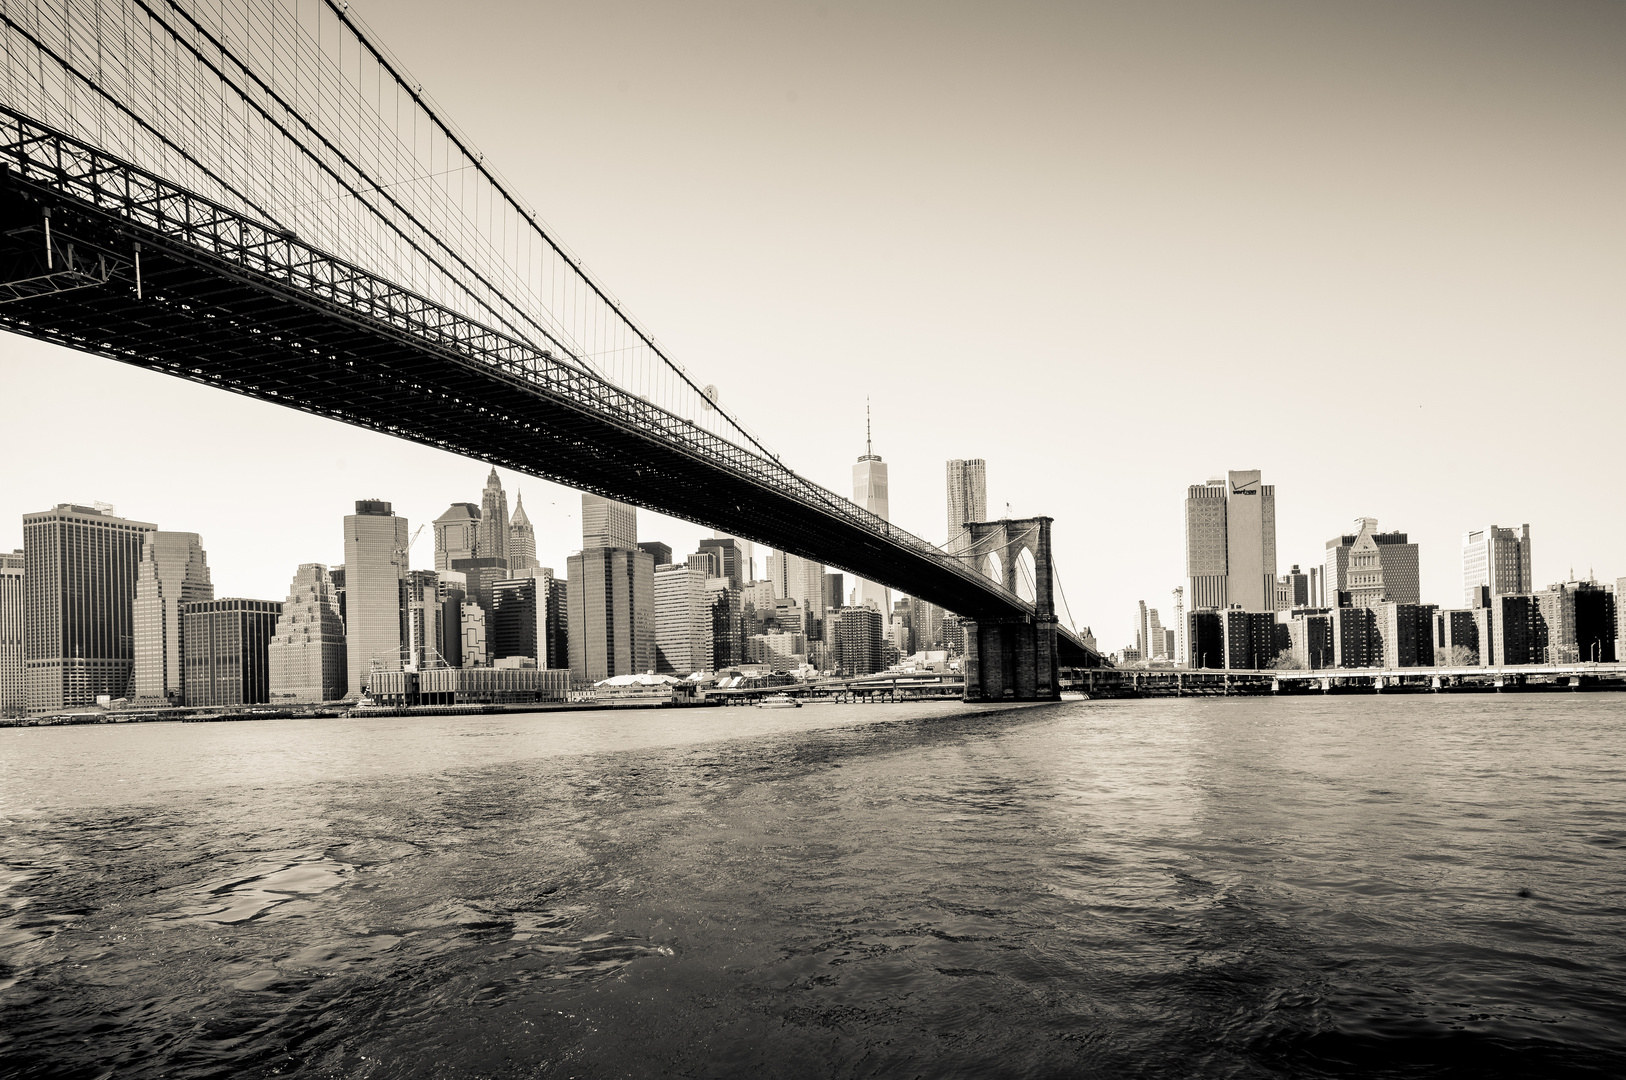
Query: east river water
[[1307, 887]]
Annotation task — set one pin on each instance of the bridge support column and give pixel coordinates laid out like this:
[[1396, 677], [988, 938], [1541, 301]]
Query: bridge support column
[[1014, 659]]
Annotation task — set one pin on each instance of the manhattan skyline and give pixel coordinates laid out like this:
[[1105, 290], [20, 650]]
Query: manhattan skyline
[[1475, 272]]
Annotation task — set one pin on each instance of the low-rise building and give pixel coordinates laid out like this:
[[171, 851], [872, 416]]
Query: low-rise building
[[470, 686]]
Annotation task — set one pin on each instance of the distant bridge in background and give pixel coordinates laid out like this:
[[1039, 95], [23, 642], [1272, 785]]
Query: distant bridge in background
[[252, 195]]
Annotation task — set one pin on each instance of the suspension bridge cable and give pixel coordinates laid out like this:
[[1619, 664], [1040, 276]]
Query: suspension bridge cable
[[527, 214]]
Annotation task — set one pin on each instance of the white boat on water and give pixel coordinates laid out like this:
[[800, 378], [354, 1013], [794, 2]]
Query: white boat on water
[[779, 701]]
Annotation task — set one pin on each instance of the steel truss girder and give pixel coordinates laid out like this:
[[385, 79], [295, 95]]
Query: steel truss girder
[[237, 304]]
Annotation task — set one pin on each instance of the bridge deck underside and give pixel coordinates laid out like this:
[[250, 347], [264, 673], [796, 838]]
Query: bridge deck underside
[[203, 319]]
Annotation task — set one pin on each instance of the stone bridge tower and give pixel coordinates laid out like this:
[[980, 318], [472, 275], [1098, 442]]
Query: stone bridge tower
[[1013, 659]]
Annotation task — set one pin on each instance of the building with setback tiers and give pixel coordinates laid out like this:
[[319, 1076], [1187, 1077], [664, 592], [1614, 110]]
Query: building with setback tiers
[[80, 567], [521, 538], [1231, 543], [493, 520], [375, 559], [174, 571], [226, 650], [306, 653]]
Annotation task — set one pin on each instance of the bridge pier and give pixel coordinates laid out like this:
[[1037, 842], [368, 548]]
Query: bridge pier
[[1014, 659]]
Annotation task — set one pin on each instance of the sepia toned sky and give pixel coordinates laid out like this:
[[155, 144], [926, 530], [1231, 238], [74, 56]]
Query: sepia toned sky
[[1376, 250]]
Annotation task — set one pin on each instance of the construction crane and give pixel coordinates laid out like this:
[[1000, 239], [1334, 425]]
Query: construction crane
[[401, 553]]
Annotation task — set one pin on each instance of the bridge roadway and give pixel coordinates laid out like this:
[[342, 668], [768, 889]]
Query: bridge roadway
[[145, 272]]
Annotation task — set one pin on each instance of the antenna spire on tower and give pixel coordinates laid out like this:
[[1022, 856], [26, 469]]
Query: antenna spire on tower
[[869, 443]]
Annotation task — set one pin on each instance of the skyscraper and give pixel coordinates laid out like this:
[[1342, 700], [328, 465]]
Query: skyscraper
[[375, 564], [858, 637], [493, 519], [80, 566], [798, 579], [730, 559], [174, 571], [457, 534], [521, 538], [748, 562], [610, 595], [306, 653], [683, 620], [1231, 542], [608, 523], [870, 492], [13, 687], [226, 650], [520, 620], [424, 642], [835, 585], [611, 600], [1495, 562], [1366, 567], [967, 499], [727, 623]]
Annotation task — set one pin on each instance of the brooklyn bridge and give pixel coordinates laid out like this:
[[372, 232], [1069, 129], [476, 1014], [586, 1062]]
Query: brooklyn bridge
[[253, 195]]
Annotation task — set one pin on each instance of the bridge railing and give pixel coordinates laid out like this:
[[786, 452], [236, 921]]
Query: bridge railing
[[52, 160]]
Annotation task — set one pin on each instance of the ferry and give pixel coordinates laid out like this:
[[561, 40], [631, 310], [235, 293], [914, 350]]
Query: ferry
[[779, 701]]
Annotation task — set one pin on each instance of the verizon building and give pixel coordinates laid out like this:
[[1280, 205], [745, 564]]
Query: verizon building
[[1231, 543]]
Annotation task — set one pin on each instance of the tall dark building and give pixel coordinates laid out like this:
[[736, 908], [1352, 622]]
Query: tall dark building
[[728, 630], [558, 624], [731, 560], [520, 620], [1250, 639], [80, 568], [226, 650], [834, 584], [1205, 637], [480, 577], [1407, 634], [611, 605], [1577, 623], [1356, 640], [858, 641], [662, 553]]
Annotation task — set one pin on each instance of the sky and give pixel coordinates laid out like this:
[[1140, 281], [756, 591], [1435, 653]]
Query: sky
[[1375, 250]]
